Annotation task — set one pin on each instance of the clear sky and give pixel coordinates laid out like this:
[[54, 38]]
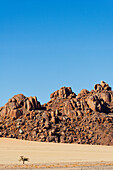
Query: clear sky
[[47, 44]]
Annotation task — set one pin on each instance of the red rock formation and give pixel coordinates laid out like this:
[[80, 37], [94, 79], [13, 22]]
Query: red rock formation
[[12, 108], [64, 92], [86, 118]]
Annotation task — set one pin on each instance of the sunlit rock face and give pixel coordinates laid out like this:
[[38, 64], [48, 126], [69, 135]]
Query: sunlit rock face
[[86, 118]]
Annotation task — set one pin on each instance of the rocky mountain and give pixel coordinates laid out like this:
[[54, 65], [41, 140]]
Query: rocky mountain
[[86, 118]]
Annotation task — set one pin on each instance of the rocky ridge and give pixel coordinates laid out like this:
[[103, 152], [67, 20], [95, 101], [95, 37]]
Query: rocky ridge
[[86, 118]]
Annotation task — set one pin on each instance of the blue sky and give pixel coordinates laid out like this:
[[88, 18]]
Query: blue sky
[[47, 44]]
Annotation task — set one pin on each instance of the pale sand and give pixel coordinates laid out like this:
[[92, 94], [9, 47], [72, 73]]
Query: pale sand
[[37, 152]]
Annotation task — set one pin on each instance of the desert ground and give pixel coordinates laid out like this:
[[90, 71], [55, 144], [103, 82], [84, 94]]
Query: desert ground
[[49, 155]]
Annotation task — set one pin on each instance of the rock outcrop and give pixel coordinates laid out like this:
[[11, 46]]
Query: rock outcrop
[[86, 118], [18, 105], [64, 92]]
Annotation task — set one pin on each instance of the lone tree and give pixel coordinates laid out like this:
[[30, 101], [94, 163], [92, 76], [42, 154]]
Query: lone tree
[[23, 159]]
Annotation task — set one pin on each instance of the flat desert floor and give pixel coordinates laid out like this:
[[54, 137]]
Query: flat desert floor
[[53, 154]]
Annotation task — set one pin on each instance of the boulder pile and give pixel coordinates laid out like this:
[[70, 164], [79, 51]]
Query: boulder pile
[[86, 118]]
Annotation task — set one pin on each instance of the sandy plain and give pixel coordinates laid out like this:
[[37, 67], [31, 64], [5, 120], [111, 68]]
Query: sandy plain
[[51, 155]]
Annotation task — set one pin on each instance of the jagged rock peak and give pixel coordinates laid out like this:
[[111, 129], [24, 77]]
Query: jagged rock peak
[[102, 86], [64, 92], [82, 93], [18, 104]]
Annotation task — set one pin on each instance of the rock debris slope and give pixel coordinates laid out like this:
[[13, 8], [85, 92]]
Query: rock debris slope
[[86, 118]]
